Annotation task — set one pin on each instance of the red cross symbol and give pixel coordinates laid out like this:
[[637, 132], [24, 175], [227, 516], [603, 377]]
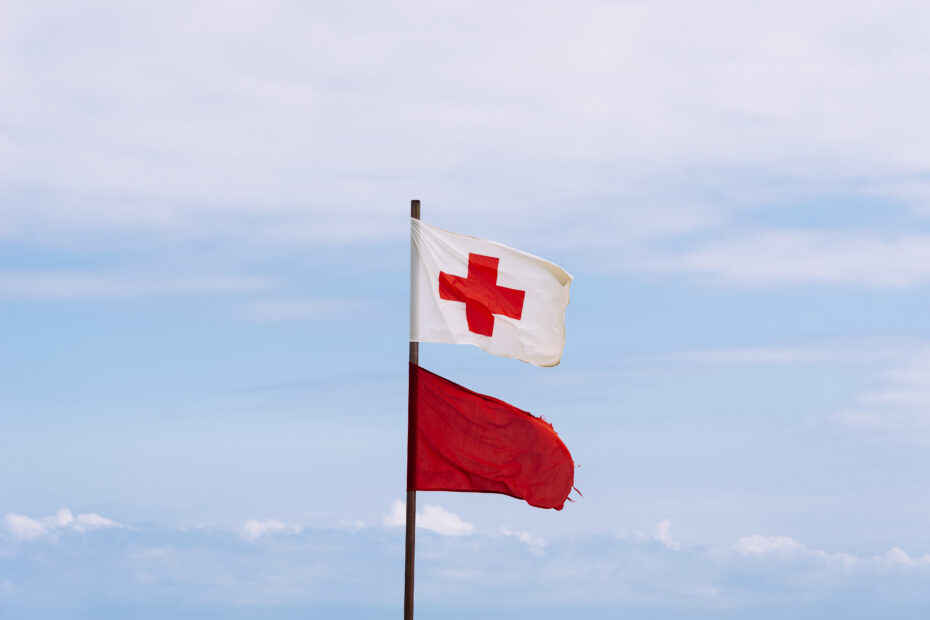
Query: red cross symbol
[[482, 296]]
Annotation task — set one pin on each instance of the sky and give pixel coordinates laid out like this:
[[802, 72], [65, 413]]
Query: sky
[[204, 256]]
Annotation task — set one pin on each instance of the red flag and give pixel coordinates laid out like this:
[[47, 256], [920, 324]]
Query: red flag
[[467, 441]]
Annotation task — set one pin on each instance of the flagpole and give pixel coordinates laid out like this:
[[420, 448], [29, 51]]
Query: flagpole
[[411, 464]]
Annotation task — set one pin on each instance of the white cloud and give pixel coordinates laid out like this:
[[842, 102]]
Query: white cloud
[[254, 529], [396, 514], [92, 521], [433, 518], [525, 537], [349, 567], [758, 544], [437, 519], [663, 534], [24, 528], [900, 558], [786, 547], [329, 114], [62, 518], [807, 257]]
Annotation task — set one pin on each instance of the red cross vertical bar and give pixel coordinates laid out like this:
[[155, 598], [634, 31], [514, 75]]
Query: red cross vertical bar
[[482, 296]]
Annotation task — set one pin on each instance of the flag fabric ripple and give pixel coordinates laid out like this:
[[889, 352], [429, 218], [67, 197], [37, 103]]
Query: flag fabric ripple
[[467, 441], [466, 290]]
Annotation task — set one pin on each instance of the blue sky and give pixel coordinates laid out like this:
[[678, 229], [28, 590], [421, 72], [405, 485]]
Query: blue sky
[[203, 305]]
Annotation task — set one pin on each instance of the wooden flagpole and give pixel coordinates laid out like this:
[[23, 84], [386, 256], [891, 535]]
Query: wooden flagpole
[[411, 464]]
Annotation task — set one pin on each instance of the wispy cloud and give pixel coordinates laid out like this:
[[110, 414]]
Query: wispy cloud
[[806, 257], [59, 285], [787, 547], [254, 529], [899, 404], [661, 533], [433, 518], [525, 537], [895, 403], [344, 567], [851, 352], [24, 528], [207, 133], [297, 309], [900, 558]]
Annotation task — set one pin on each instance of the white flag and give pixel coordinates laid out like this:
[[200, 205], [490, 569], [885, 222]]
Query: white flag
[[470, 291]]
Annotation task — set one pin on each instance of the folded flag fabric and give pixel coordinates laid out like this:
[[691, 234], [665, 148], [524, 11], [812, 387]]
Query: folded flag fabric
[[467, 290], [467, 441]]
